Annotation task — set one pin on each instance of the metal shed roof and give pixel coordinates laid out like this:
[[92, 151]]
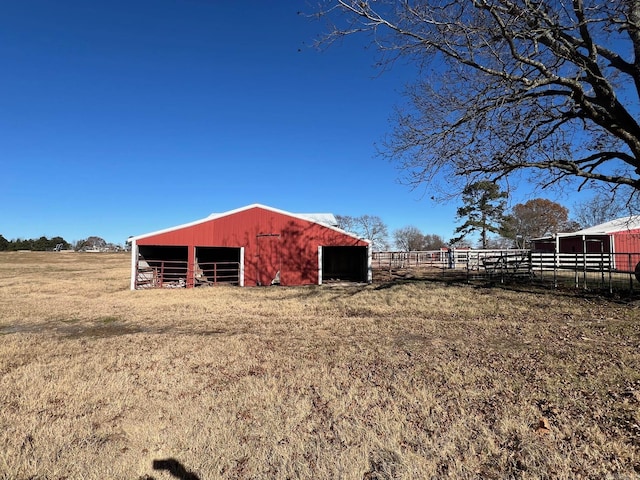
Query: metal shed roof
[[618, 225], [622, 224], [324, 218]]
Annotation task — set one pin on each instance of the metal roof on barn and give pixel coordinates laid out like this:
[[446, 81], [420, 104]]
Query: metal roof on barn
[[618, 225], [325, 219]]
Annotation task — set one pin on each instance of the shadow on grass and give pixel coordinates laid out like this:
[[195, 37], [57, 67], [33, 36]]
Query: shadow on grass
[[516, 284], [449, 280], [173, 467]]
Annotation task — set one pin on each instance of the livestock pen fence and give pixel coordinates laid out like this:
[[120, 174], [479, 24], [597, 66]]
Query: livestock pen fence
[[445, 258], [605, 271], [176, 274]]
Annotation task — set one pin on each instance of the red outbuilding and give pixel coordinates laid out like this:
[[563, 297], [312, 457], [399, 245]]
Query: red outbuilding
[[250, 246], [617, 240]]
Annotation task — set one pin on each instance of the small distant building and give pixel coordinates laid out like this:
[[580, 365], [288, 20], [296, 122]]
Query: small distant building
[[620, 236], [250, 246]]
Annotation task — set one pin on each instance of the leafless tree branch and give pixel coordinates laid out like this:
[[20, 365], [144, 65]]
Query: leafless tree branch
[[510, 85]]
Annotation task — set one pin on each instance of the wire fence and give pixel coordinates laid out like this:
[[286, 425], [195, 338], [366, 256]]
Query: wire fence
[[612, 272]]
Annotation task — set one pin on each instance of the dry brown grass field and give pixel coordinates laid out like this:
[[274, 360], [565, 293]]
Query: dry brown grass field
[[412, 380]]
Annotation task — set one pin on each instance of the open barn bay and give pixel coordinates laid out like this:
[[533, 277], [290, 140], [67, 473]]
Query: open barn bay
[[410, 380]]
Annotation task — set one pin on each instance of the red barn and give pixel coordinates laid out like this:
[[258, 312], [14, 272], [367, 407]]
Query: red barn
[[254, 245], [620, 238]]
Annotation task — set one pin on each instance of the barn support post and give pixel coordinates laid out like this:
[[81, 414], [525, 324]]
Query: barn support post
[[610, 268], [161, 274], [319, 264], [467, 270], [191, 271], [584, 262], [630, 273], [555, 264], [369, 264], [602, 263], [134, 264], [241, 268], [612, 257]]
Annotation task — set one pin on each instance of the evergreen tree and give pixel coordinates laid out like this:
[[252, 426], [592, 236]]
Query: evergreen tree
[[483, 208]]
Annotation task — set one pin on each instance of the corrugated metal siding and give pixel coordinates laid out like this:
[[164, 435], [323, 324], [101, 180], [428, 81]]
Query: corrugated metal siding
[[627, 241], [272, 242]]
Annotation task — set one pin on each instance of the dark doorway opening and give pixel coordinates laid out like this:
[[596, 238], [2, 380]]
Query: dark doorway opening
[[162, 265], [217, 265], [344, 264]]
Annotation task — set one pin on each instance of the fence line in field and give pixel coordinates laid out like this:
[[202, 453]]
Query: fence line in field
[[444, 258], [608, 271]]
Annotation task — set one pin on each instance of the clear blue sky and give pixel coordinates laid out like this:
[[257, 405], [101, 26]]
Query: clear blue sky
[[118, 118]]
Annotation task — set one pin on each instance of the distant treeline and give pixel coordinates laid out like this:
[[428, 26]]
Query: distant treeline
[[44, 244], [39, 244]]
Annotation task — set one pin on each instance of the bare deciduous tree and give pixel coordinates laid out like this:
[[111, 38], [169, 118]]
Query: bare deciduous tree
[[411, 239], [370, 227], [347, 223], [433, 242], [408, 238], [536, 218], [601, 208], [548, 87]]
